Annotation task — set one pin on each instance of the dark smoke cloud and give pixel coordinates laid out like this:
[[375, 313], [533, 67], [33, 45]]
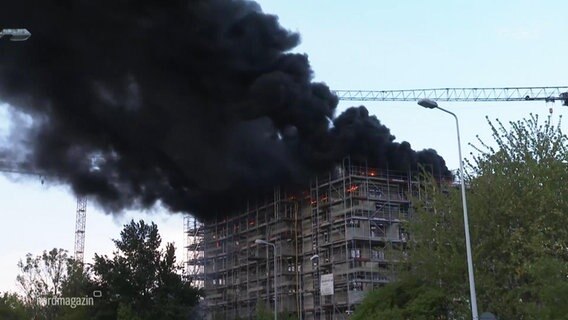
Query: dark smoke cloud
[[194, 104]]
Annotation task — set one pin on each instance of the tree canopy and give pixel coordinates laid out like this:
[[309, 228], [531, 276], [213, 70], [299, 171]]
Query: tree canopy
[[517, 198], [140, 281], [406, 299], [12, 307]]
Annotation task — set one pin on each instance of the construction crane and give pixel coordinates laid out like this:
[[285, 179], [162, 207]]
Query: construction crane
[[547, 94], [81, 213]]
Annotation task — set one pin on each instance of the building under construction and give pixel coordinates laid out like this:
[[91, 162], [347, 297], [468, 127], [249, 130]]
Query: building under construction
[[315, 254]]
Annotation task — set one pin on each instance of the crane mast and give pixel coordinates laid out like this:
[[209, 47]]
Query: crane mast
[[80, 220]]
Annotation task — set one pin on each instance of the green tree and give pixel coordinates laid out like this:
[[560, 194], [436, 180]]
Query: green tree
[[125, 312], [49, 275], [12, 307], [263, 312], [406, 299], [517, 201], [78, 283], [519, 204], [41, 277], [141, 281]]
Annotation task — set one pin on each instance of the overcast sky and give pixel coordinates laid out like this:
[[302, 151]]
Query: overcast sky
[[351, 45]]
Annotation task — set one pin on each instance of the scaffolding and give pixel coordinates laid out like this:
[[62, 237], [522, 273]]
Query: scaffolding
[[194, 250], [356, 236], [336, 241], [238, 272]]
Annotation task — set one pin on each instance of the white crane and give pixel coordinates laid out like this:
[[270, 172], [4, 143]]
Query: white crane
[[547, 94]]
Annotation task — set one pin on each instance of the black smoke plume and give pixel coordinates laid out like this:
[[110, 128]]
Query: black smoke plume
[[192, 103]]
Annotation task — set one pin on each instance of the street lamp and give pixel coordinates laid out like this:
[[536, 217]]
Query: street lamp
[[430, 104], [16, 34], [260, 241]]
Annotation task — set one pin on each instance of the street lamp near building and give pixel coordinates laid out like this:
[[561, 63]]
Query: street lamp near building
[[260, 241], [430, 104]]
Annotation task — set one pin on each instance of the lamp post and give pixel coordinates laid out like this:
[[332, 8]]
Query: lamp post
[[16, 34], [260, 241], [430, 104]]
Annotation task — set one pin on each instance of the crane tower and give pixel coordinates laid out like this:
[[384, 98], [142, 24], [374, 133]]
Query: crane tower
[[80, 220]]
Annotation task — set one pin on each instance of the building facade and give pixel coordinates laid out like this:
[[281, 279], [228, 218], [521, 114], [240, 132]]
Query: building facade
[[337, 240]]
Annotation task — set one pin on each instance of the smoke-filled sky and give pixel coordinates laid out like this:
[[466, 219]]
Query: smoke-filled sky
[[350, 45], [179, 102]]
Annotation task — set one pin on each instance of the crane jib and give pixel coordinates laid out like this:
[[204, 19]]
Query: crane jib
[[547, 94]]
